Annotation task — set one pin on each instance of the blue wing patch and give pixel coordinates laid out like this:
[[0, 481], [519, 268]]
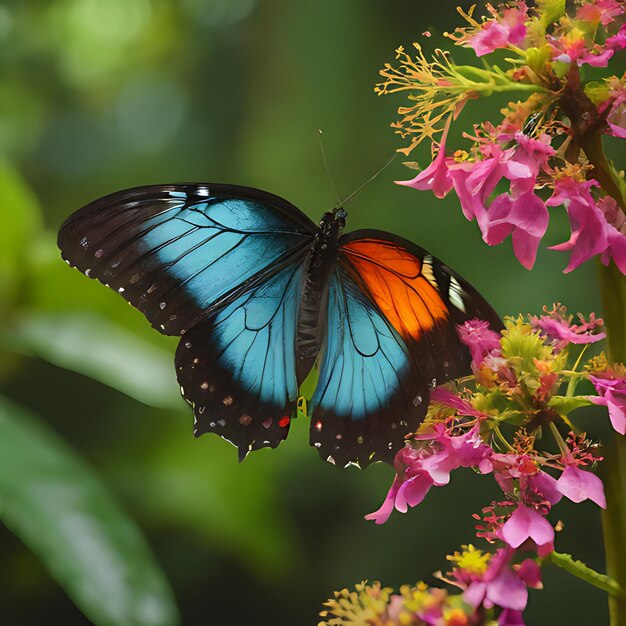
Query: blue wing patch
[[238, 368], [366, 382], [179, 252]]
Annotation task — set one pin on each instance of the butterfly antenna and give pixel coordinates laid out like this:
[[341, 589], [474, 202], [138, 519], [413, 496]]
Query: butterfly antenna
[[330, 178], [369, 180]]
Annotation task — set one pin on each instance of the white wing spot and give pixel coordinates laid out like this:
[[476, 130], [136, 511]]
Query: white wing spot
[[427, 271], [455, 293]]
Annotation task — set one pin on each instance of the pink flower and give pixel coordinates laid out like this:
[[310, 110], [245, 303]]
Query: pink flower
[[613, 213], [520, 214], [530, 572], [559, 329], [524, 218], [604, 11], [436, 176], [534, 155], [510, 618], [569, 50], [419, 469], [526, 523], [601, 59], [617, 41], [578, 485], [591, 233], [480, 339], [612, 394], [475, 181], [510, 27], [498, 586]]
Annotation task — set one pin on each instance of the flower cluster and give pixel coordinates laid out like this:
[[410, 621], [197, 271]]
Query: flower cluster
[[546, 150], [487, 583], [522, 387]]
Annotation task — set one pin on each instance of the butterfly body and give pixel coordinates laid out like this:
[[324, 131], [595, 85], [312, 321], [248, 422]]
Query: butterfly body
[[320, 266], [259, 294]]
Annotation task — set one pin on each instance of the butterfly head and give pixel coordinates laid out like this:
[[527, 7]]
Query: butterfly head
[[333, 222], [340, 217]]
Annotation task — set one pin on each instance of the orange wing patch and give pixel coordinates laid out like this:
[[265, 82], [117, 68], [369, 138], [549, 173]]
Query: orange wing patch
[[403, 287]]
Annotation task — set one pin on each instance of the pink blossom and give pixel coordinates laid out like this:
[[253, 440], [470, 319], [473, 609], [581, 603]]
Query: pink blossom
[[612, 394], [578, 485], [509, 617], [480, 339], [498, 33], [413, 490], [617, 41], [604, 11], [520, 214], [560, 330], [475, 181], [530, 572], [601, 59], [527, 523], [524, 218], [532, 483], [591, 233], [498, 586], [569, 50], [436, 176], [613, 213], [418, 470], [533, 154]]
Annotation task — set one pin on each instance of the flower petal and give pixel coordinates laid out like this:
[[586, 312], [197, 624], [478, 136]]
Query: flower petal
[[578, 485]]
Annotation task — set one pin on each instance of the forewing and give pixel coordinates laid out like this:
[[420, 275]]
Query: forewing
[[422, 298], [237, 368], [180, 252]]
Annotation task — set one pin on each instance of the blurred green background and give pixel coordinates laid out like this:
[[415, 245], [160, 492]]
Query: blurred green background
[[97, 96]]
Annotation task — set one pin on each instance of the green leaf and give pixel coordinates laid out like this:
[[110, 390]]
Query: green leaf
[[90, 345], [20, 216], [57, 506], [564, 404]]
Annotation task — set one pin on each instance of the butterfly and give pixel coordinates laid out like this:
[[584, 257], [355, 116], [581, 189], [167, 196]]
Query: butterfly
[[260, 295]]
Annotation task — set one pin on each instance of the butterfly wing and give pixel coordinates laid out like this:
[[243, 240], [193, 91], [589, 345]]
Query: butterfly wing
[[180, 252], [222, 266], [237, 368], [391, 336], [367, 395]]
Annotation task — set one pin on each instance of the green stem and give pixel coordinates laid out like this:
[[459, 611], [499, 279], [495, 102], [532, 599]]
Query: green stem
[[613, 289], [580, 570], [587, 127]]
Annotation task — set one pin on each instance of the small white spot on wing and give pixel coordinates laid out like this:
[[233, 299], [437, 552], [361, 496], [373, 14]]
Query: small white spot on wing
[[455, 293], [427, 271]]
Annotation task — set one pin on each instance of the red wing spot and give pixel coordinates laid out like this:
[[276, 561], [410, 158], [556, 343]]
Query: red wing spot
[[318, 426], [284, 421]]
